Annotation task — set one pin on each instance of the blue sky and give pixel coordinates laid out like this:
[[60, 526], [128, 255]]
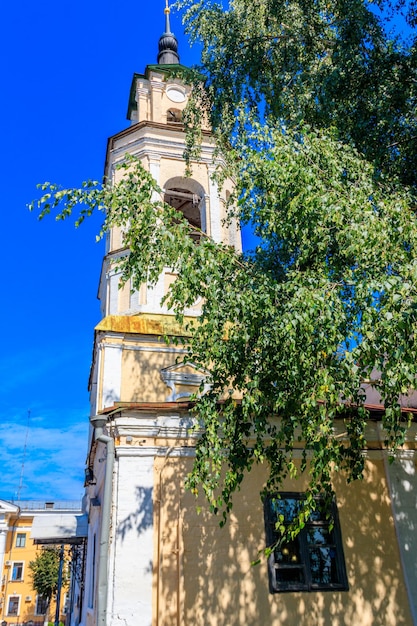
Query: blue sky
[[66, 74]]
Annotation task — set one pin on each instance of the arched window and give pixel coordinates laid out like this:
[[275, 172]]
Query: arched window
[[188, 203], [174, 116]]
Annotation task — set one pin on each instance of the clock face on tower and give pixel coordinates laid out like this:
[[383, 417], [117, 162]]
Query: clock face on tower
[[175, 94]]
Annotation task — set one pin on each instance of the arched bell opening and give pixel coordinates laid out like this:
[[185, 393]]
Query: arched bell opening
[[174, 116], [187, 196]]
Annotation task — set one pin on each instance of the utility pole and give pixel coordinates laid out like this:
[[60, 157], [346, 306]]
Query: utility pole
[[58, 591]]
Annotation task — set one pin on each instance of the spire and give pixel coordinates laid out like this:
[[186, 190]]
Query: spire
[[168, 44], [167, 11]]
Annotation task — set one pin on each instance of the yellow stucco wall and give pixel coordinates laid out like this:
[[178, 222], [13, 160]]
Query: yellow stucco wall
[[141, 381], [203, 574], [21, 588]]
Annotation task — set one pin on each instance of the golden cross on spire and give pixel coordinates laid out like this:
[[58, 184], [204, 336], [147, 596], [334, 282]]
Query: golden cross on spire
[[167, 11]]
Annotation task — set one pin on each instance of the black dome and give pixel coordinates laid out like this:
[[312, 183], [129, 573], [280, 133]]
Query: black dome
[[168, 44]]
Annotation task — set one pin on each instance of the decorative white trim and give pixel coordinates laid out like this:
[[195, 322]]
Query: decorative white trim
[[21, 579], [8, 507], [142, 91], [175, 93], [155, 451], [157, 86], [13, 595], [141, 145], [147, 349], [111, 374], [174, 377], [154, 160]]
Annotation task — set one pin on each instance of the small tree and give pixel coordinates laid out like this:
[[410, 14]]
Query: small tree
[[44, 571]]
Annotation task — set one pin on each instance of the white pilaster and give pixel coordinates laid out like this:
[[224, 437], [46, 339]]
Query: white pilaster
[[154, 160], [111, 359], [113, 282], [402, 481], [215, 214], [131, 570], [3, 536], [142, 96]]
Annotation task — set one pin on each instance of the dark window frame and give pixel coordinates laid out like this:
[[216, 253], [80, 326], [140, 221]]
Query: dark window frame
[[20, 540], [17, 571], [41, 605], [13, 605], [297, 558]]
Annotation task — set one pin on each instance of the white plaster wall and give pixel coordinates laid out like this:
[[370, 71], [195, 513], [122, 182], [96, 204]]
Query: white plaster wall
[[131, 570], [113, 281], [154, 296], [215, 216], [111, 359], [403, 485], [94, 385], [154, 168]]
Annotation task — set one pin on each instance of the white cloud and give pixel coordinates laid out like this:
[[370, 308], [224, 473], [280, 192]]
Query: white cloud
[[54, 458]]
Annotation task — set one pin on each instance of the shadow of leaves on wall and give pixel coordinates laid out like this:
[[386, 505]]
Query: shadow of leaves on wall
[[142, 517], [221, 588]]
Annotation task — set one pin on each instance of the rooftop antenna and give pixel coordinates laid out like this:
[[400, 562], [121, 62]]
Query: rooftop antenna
[[24, 457]]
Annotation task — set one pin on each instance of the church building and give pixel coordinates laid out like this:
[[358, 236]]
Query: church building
[[152, 560]]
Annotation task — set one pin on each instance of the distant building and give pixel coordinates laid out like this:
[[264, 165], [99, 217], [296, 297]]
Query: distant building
[[25, 527], [151, 559]]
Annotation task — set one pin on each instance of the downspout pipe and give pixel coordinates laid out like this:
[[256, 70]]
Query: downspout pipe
[[99, 422]]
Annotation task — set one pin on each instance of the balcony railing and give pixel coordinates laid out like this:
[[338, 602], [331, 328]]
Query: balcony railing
[[41, 505]]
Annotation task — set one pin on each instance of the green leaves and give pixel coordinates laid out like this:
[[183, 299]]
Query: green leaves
[[331, 65], [44, 572]]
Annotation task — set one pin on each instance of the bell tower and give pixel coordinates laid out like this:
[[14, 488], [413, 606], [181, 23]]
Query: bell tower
[[139, 389], [156, 137]]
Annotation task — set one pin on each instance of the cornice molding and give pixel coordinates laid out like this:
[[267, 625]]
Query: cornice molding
[[144, 324]]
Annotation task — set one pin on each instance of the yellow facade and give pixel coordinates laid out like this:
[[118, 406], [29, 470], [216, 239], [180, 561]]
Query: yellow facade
[[204, 574], [19, 602]]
